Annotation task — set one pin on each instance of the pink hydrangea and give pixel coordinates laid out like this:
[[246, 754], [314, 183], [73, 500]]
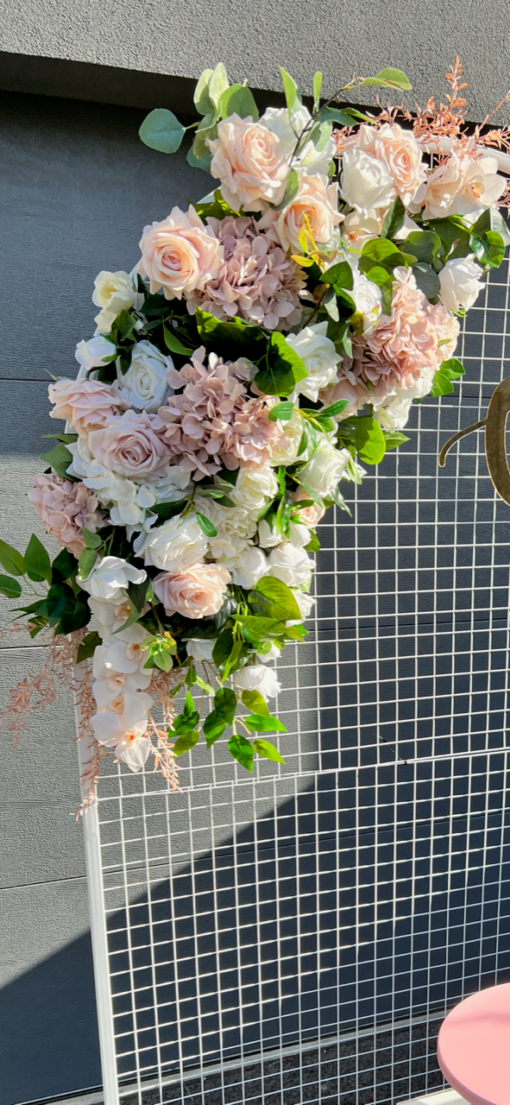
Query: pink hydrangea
[[64, 509], [257, 280], [215, 420], [402, 350]]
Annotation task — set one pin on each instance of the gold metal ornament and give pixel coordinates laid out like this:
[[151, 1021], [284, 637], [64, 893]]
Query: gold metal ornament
[[495, 439]]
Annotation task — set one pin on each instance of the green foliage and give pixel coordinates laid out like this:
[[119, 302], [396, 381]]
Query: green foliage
[[238, 100], [262, 723], [86, 563], [268, 751], [489, 249], [379, 257], [186, 741], [165, 511], [449, 370], [317, 86], [63, 565], [11, 559], [91, 540], [389, 78], [162, 131], [201, 97], [394, 219], [291, 90], [173, 344], [242, 750], [284, 368], [393, 438], [271, 598], [291, 191], [217, 208], [206, 525], [222, 714], [255, 702], [59, 458], [258, 629], [230, 340], [339, 276], [10, 587], [427, 280], [366, 436], [424, 244], [87, 647], [282, 411], [37, 563]]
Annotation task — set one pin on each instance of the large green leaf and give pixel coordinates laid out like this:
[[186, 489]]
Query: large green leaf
[[238, 100], [427, 280], [185, 742], [11, 559], [260, 723], [389, 78], [37, 562], [489, 249], [442, 382], [59, 459], [10, 587], [369, 440], [87, 647], [271, 598], [394, 219], [242, 750], [162, 131], [339, 275], [230, 340], [173, 344], [86, 563], [254, 701], [283, 370], [268, 751], [165, 511], [424, 244], [291, 90], [206, 525]]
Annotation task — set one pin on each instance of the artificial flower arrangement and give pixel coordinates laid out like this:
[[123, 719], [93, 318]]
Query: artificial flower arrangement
[[268, 344]]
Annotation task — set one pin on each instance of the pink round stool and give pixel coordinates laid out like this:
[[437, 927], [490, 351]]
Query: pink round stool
[[473, 1047]]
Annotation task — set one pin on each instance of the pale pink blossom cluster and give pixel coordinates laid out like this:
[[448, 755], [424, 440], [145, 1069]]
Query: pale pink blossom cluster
[[86, 404], [215, 421], [257, 280], [64, 509]]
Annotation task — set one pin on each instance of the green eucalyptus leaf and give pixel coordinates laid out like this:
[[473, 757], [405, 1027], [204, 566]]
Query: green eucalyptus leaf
[[223, 647], [201, 97], [10, 587], [424, 244], [231, 340], [162, 131], [335, 408], [218, 83], [238, 100], [427, 280], [11, 559], [202, 162], [339, 275], [92, 540]]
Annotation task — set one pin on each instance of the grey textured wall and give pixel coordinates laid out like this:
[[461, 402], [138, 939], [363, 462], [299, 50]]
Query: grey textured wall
[[77, 186], [182, 37]]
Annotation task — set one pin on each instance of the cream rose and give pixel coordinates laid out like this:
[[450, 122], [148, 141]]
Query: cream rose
[[310, 515], [460, 283], [358, 229], [292, 435], [131, 446], [256, 677], [325, 468], [462, 186], [174, 545], [319, 357], [398, 152], [196, 592], [179, 255], [254, 489], [144, 384], [113, 292], [248, 160], [290, 564], [110, 578], [309, 159], [365, 182], [368, 299], [316, 201], [94, 353]]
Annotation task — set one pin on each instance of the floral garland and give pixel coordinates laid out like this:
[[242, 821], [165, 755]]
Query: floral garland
[[269, 343]]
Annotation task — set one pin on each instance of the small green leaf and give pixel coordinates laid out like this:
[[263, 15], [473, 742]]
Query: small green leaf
[[394, 438], [162, 131], [453, 368], [218, 82], [68, 439], [230, 340], [284, 368], [10, 587], [242, 750], [201, 98], [198, 162], [427, 280], [238, 100], [292, 96], [214, 727], [87, 647], [339, 275], [254, 701], [59, 459], [64, 564], [337, 115], [369, 440], [37, 562], [11, 559], [86, 563], [204, 686], [259, 723], [317, 85], [389, 78], [92, 540], [291, 191], [268, 751], [185, 742], [335, 408], [165, 511], [223, 647], [489, 249], [206, 525], [424, 244], [133, 617], [282, 411], [162, 658], [394, 219], [173, 344]]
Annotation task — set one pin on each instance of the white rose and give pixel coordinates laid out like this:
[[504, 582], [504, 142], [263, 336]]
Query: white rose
[[247, 567], [460, 283], [110, 578], [273, 653], [290, 564], [365, 183], [319, 357], [95, 352], [393, 411], [288, 453], [113, 292], [85, 468], [174, 545], [254, 489], [325, 468], [200, 649], [368, 298], [299, 535], [144, 384], [358, 229], [305, 602], [232, 523], [310, 159], [256, 677], [268, 537]]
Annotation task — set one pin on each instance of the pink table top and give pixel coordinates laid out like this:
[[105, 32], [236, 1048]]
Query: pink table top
[[474, 1047]]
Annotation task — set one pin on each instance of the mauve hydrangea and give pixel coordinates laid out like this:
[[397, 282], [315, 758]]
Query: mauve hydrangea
[[64, 509], [257, 280], [215, 421]]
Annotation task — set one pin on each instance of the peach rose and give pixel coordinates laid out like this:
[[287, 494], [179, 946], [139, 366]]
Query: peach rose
[[460, 186], [197, 592], [398, 151], [310, 515], [131, 446], [86, 404], [179, 254], [248, 160], [316, 200]]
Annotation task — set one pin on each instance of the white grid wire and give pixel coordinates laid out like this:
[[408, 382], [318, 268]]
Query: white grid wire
[[298, 936]]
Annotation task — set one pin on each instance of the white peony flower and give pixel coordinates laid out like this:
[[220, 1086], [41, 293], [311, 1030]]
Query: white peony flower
[[247, 567], [460, 283], [325, 468], [254, 489], [293, 431], [110, 578], [368, 298], [144, 385], [256, 677], [310, 160], [114, 292], [200, 649], [174, 545], [122, 725], [290, 564], [319, 357], [365, 182], [95, 352]]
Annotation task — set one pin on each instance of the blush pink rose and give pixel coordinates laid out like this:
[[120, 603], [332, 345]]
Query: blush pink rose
[[196, 592], [309, 515], [86, 404], [316, 201], [248, 160], [398, 151], [64, 509], [180, 254], [131, 445]]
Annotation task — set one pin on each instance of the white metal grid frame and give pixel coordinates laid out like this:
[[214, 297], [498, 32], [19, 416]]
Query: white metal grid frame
[[298, 936]]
